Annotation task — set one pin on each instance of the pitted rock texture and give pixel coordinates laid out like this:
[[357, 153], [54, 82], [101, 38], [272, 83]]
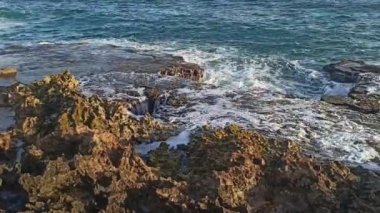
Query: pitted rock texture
[[78, 156], [184, 70], [56, 105], [234, 170], [5, 140], [77, 149]]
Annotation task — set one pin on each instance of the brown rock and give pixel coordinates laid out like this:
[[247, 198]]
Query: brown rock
[[79, 157], [234, 170], [8, 72], [184, 70], [55, 103], [5, 140]]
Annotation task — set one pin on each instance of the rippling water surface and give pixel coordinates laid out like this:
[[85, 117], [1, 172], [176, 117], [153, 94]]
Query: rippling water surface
[[268, 53]]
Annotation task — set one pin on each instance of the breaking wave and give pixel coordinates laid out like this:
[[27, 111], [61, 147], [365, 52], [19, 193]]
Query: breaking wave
[[271, 94]]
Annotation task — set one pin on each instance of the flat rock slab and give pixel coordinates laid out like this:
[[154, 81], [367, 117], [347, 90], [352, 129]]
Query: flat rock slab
[[363, 103], [348, 71]]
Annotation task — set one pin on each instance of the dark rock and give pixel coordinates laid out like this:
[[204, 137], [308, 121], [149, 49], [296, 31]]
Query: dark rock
[[361, 103], [348, 71], [4, 99], [366, 103], [153, 96], [12, 196], [361, 97], [4, 94], [338, 100], [363, 88], [184, 70], [177, 100]]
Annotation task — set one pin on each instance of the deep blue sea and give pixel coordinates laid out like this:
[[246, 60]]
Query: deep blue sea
[[320, 30], [278, 46], [307, 33]]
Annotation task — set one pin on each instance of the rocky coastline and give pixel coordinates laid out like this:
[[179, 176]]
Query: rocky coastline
[[70, 152]]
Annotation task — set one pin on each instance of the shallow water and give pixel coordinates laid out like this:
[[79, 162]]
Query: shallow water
[[173, 142], [262, 59], [6, 118]]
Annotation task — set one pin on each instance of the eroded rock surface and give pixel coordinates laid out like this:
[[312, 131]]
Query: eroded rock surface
[[236, 170], [56, 105], [78, 155], [71, 141], [184, 70]]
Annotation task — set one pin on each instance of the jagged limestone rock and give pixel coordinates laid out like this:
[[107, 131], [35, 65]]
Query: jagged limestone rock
[[78, 156], [184, 70]]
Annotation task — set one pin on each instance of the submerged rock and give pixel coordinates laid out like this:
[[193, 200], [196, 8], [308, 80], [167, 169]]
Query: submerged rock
[[178, 100]]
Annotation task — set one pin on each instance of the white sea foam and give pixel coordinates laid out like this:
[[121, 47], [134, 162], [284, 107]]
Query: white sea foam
[[6, 24], [181, 139], [145, 148], [259, 100], [327, 132], [337, 89], [173, 142], [229, 68]]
